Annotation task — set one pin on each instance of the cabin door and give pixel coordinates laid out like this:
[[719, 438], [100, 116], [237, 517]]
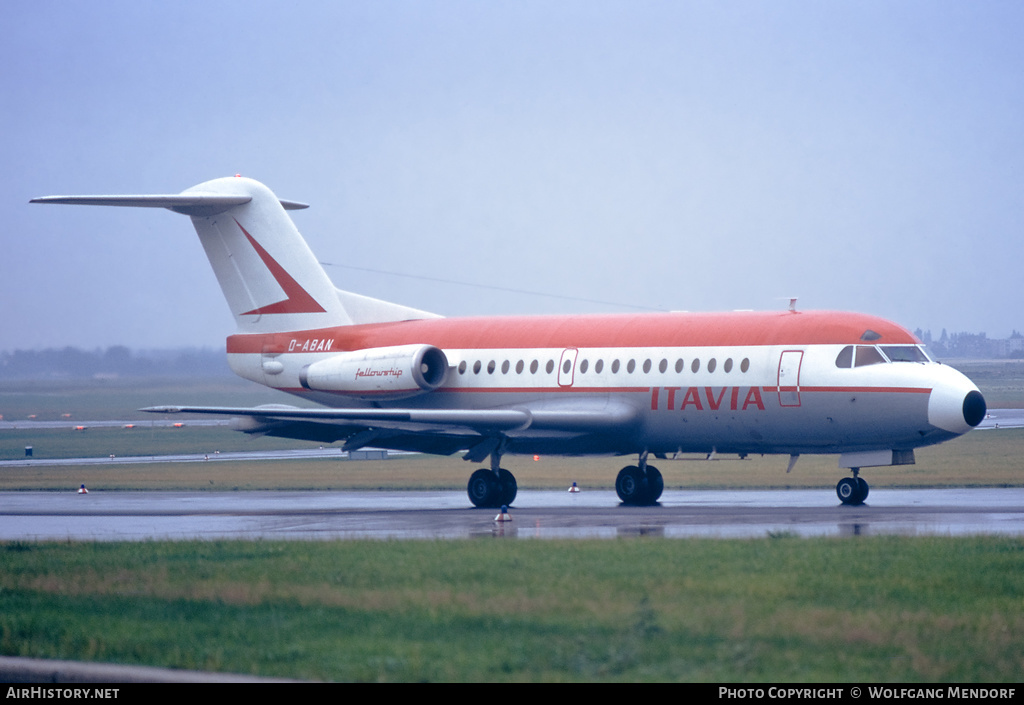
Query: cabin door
[[789, 377], [567, 367]]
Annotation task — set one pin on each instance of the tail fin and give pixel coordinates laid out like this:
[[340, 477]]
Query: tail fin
[[269, 276]]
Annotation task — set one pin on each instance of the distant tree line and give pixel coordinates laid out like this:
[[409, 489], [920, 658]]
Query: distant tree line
[[973, 345], [115, 361]]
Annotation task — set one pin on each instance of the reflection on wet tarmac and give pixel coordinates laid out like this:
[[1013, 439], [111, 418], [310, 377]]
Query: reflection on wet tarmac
[[136, 516]]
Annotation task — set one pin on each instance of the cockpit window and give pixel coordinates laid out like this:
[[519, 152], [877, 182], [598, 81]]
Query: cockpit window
[[858, 356], [844, 359], [904, 353], [868, 355], [861, 355], [870, 335]]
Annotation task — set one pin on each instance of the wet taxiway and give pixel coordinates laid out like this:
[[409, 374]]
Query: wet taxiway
[[136, 516]]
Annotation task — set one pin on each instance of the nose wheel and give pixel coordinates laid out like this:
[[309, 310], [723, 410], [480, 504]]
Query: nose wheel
[[852, 490]]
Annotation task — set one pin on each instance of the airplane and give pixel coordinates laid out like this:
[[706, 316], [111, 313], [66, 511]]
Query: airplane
[[650, 385]]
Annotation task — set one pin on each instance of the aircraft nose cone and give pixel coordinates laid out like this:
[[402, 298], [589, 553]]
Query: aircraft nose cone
[[955, 404], [974, 408]]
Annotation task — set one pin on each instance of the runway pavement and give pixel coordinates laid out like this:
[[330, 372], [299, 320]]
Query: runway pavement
[[137, 516], [1002, 418]]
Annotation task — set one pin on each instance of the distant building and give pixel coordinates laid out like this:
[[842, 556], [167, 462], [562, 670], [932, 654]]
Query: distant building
[[973, 345]]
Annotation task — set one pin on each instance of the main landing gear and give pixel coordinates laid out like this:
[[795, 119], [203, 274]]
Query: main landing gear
[[492, 488], [639, 485], [852, 490]]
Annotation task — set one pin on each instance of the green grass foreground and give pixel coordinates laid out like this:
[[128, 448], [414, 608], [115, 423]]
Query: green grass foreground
[[774, 609]]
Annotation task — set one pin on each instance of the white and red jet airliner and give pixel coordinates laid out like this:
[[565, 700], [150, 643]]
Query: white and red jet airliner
[[396, 377]]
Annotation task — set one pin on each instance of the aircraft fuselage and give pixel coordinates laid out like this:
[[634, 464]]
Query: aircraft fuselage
[[732, 383]]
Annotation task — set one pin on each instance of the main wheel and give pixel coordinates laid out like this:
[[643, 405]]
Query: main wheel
[[849, 491], [484, 490], [629, 485], [509, 487], [655, 484], [635, 487]]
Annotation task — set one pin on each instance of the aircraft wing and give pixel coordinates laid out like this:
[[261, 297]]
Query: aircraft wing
[[442, 431]]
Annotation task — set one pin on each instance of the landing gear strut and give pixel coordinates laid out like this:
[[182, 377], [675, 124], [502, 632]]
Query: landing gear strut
[[852, 490], [639, 485], [492, 488]]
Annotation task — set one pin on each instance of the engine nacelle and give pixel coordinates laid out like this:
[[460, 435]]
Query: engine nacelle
[[379, 373]]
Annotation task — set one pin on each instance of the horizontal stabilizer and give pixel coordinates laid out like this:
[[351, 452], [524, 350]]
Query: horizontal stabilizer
[[269, 276], [198, 204]]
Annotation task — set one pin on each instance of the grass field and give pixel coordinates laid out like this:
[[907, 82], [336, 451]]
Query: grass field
[[774, 609], [782, 609]]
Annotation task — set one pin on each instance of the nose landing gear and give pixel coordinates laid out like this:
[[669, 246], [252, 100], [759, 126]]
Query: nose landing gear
[[852, 490]]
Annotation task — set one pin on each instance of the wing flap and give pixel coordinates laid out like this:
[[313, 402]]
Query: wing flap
[[480, 420]]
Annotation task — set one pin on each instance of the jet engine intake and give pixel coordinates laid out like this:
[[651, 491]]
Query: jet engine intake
[[379, 373]]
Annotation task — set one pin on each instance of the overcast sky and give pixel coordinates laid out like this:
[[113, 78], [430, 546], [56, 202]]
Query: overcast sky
[[861, 155]]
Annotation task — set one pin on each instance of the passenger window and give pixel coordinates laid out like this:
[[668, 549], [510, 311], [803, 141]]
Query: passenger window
[[728, 365], [712, 365], [504, 367], [647, 366], [868, 355], [679, 365], [476, 367], [695, 365], [630, 366], [490, 367], [462, 367], [844, 359], [663, 366], [533, 367], [598, 366], [550, 366], [519, 367], [745, 365], [583, 367], [615, 367]]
